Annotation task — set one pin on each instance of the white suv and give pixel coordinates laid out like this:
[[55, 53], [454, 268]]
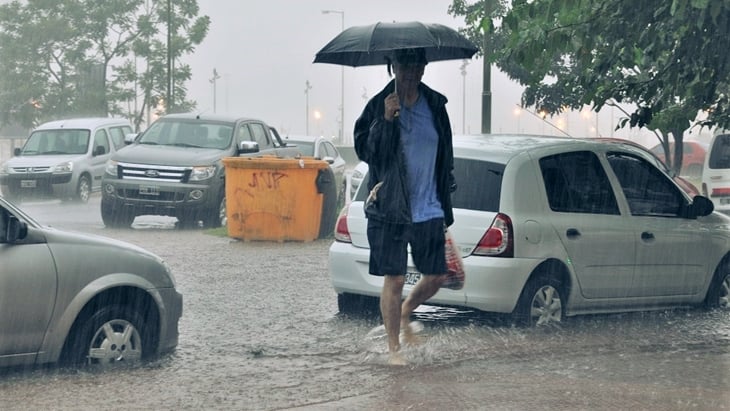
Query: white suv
[[64, 158], [554, 227]]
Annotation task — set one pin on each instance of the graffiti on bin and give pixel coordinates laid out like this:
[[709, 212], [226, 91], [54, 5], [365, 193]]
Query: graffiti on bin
[[266, 179]]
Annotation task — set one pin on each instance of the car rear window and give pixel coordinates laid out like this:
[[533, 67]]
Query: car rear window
[[720, 153], [478, 185]]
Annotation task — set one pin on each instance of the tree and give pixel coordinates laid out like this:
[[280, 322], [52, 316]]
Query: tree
[[81, 57], [660, 57]]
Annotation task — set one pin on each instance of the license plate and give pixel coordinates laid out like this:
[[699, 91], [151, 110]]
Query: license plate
[[412, 277], [149, 190], [28, 183]]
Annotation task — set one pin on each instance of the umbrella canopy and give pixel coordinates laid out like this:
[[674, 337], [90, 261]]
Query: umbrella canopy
[[374, 44]]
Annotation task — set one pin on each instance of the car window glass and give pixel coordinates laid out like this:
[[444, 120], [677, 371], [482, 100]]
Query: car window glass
[[260, 135], [117, 135], [720, 153], [478, 184], [329, 149], [577, 183], [244, 134], [101, 139], [648, 191]]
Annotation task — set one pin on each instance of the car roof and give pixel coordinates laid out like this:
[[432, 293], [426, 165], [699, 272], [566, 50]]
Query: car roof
[[501, 148], [84, 122], [210, 116]]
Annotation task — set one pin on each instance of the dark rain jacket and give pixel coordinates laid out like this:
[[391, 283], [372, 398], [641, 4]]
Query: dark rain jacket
[[378, 143]]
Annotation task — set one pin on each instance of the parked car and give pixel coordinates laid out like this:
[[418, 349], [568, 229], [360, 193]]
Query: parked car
[[175, 168], [693, 156], [64, 158], [80, 299], [553, 227], [716, 172], [323, 149]]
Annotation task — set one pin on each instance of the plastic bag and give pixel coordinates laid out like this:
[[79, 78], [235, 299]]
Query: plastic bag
[[455, 275]]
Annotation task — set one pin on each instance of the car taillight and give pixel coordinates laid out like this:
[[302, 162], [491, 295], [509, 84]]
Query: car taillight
[[342, 233], [498, 240]]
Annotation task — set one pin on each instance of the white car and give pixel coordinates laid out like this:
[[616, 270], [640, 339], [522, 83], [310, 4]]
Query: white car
[[716, 172], [553, 227], [63, 159]]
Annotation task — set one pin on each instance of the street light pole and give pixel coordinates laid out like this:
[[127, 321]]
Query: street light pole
[[342, 77], [463, 96], [213, 81], [306, 93]]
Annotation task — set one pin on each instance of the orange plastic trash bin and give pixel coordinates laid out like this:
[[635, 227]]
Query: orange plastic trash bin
[[273, 199]]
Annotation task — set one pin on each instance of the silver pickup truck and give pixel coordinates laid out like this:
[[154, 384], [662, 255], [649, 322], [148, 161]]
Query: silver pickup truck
[[175, 168]]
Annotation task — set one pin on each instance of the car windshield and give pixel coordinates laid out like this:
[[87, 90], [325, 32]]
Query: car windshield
[[193, 133], [47, 142], [479, 185], [720, 154]]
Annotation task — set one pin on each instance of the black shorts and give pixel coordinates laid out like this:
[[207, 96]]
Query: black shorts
[[389, 247]]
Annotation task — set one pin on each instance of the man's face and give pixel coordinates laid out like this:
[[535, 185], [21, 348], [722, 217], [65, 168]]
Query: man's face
[[408, 74]]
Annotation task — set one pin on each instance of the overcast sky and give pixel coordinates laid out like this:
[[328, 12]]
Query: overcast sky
[[263, 53]]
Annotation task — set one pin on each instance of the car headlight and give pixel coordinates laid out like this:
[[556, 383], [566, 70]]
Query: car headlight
[[65, 167], [111, 167], [202, 173]]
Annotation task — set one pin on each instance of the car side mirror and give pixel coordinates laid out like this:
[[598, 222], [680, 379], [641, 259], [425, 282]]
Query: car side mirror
[[248, 147], [129, 138], [16, 152], [16, 230], [701, 206], [99, 150], [329, 159]]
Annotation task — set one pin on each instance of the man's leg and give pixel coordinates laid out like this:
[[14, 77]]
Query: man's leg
[[426, 287], [390, 309]]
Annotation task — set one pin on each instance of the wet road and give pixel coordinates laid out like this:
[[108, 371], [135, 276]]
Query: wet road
[[260, 331]]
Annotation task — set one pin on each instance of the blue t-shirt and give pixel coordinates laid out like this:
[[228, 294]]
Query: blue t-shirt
[[420, 145]]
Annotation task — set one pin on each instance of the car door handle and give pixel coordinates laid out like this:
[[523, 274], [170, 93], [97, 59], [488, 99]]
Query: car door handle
[[572, 233], [647, 236]]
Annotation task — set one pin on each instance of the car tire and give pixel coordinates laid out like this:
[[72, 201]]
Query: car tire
[[718, 295], [115, 218], [83, 189], [540, 303], [357, 304], [113, 335]]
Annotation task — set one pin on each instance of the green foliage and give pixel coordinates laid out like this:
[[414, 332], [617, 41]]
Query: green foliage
[[666, 59], [61, 58]]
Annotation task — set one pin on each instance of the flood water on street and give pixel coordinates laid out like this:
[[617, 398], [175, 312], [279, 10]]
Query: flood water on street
[[260, 330]]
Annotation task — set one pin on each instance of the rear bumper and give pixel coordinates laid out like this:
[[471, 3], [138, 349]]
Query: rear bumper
[[492, 284]]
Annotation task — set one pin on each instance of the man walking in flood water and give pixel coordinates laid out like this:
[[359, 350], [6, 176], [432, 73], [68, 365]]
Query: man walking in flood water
[[404, 135]]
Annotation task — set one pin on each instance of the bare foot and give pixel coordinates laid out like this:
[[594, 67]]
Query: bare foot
[[396, 359], [409, 333]]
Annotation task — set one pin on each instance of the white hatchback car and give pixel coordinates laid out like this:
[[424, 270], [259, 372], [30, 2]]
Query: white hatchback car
[[552, 227]]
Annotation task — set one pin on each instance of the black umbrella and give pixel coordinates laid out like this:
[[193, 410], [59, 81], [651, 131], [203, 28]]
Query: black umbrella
[[374, 44]]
